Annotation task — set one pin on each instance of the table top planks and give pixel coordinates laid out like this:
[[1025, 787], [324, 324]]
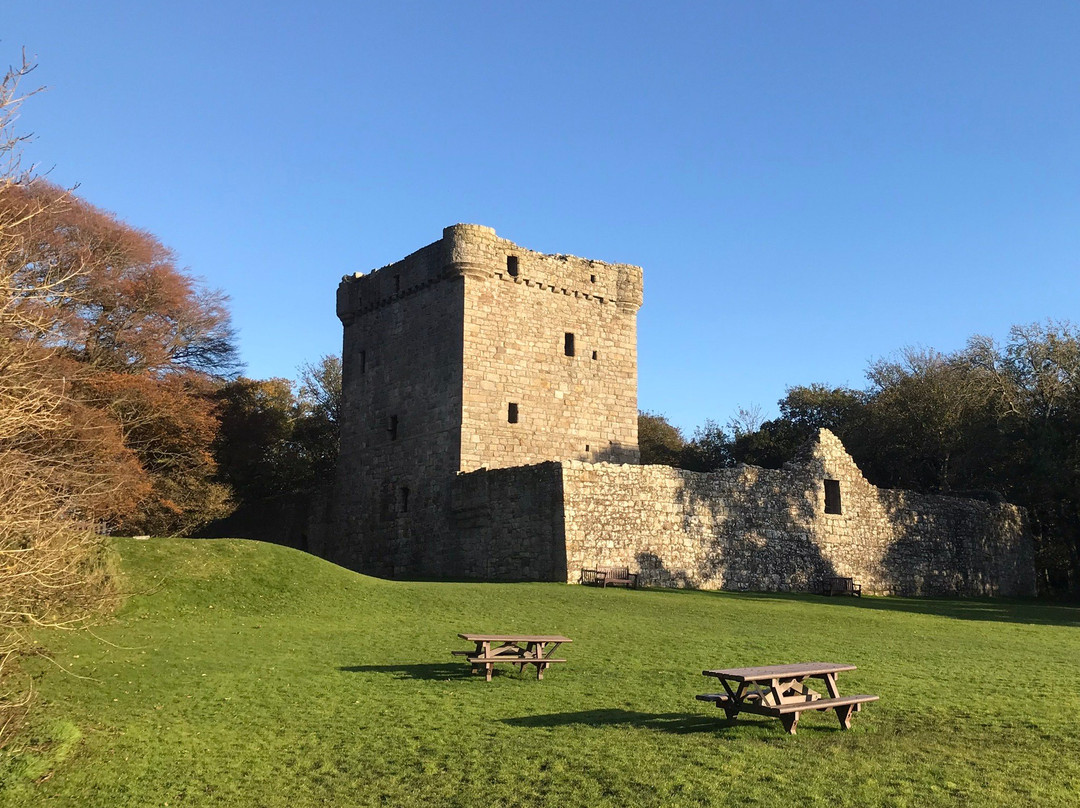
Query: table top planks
[[765, 673], [545, 638]]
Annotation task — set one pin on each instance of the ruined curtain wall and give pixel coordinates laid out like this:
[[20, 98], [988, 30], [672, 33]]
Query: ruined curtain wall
[[948, 545], [745, 528], [758, 529]]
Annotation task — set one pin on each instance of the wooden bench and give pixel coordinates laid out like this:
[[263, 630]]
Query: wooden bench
[[841, 586], [610, 576]]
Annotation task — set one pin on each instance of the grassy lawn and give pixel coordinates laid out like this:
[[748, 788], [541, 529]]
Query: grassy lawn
[[241, 673]]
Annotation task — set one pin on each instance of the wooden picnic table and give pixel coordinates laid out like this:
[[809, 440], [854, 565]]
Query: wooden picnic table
[[781, 691], [516, 649]]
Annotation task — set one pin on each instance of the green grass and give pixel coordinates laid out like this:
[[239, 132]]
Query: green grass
[[242, 673]]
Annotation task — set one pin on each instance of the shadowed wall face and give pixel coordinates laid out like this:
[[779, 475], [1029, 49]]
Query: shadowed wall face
[[401, 415]]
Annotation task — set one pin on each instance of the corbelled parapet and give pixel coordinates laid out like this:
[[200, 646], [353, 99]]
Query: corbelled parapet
[[476, 252]]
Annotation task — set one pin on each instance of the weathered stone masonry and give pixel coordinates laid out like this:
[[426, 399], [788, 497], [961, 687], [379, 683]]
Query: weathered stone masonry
[[487, 387], [473, 352]]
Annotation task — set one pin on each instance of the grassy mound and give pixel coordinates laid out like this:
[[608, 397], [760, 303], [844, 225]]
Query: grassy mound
[[242, 673]]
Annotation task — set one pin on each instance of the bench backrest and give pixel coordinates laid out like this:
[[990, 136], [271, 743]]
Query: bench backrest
[[843, 585], [618, 573], [589, 576]]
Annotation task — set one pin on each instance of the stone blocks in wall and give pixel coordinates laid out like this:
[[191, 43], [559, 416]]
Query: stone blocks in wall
[[758, 529]]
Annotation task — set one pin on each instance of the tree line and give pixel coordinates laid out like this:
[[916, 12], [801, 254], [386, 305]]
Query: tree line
[[998, 421]]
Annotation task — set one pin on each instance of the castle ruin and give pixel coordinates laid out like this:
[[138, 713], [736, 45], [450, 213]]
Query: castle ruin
[[489, 431]]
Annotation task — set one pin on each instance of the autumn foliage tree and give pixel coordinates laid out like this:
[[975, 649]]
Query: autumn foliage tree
[[61, 464], [136, 339]]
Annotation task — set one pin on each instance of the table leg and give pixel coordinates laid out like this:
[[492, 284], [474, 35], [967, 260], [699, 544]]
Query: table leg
[[537, 651], [790, 721], [844, 715], [731, 709]]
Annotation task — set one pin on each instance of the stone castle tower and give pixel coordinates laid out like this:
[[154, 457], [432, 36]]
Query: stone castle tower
[[473, 353]]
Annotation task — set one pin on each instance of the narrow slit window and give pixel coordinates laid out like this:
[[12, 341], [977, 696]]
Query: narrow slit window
[[594, 354], [392, 428], [512, 413], [568, 344], [832, 496], [363, 361], [512, 266], [397, 283], [586, 447], [592, 279], [404, 499]]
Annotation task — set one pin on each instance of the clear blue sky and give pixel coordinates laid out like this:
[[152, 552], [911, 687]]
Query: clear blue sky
[[807, 185]]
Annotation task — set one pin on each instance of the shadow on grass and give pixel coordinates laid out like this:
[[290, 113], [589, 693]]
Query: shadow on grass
[[671, 723], [675, 723], [999, 610], [434, 671], [989, 609]]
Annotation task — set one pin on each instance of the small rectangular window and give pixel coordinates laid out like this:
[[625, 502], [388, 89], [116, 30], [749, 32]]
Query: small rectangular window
[[512, 266], [592, 279], [397, 283], [832, 496], [512, 413], [594, 354], [392, 428], [363, 361], [568, 344], [404, 499]]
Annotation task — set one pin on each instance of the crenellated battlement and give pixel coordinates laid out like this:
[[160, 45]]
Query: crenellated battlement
[[476, 252]]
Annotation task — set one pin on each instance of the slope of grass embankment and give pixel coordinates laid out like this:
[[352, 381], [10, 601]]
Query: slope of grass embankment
[[241, 673]]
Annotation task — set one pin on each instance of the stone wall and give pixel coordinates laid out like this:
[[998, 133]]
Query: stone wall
[[749, 528]]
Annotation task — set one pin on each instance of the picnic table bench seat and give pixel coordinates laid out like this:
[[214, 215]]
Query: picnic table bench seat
[[789, 713]]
